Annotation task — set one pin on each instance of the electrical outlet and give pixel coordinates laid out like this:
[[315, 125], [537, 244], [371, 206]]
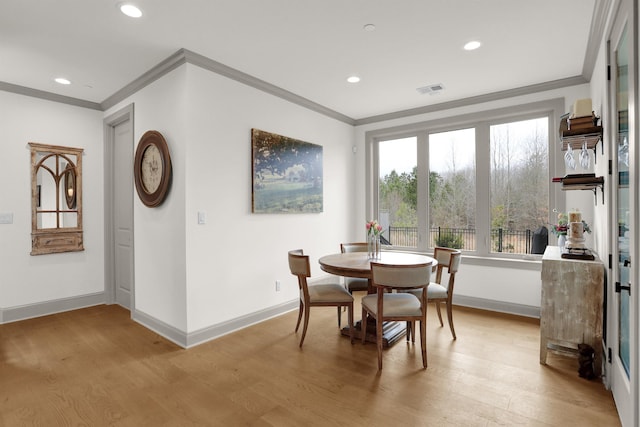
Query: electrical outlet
[[277, 285]]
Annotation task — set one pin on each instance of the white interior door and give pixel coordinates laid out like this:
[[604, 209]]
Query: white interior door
[[622, 309], [123, 212], [119, 211]]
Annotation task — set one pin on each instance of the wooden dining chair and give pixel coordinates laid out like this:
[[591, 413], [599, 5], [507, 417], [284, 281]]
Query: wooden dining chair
[[320, 295], [354, 284], [438, 292], [397, 306]]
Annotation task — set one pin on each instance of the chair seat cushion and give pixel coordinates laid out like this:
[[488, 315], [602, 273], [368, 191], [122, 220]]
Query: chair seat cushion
[[329, 293], [395, 304], [434, 291]]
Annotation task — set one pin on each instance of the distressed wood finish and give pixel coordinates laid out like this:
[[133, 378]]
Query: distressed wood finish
[[571, 310], [99, 367], [60, 239]]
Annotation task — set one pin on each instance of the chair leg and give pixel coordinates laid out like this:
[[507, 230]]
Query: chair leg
[[363, 325], [411, 331], [450, 318], [299, 315], [379, 341], [350, 315], [423, 341], [306, 323], [439, 314], [339, 317]]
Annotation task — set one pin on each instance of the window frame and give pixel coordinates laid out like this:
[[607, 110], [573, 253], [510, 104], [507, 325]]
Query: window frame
[[481, 121]]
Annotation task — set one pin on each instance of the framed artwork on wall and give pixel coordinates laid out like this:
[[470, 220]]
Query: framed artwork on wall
[[287, 174]]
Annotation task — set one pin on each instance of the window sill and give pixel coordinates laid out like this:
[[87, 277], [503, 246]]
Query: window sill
[[527, 262]]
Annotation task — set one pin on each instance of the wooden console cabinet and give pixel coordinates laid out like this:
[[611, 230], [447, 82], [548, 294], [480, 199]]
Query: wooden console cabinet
[[571, 307]]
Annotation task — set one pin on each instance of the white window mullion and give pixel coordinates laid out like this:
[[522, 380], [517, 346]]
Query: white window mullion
[[483, 202]]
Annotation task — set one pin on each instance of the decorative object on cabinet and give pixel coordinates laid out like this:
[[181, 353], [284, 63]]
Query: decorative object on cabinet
[[152, 169], [571, 306], [287, 174], [56, 199]]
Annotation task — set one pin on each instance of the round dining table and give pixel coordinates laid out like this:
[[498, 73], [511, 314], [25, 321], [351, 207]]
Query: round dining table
[[358, 264]]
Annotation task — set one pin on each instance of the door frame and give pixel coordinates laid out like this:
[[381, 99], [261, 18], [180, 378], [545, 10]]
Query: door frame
[[625, 391], [109, 125]]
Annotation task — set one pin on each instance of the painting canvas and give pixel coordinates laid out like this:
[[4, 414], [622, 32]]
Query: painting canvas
[[287, 174]]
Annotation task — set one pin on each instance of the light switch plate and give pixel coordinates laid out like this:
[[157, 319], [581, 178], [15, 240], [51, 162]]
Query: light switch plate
[[6, 217], [202, 217]]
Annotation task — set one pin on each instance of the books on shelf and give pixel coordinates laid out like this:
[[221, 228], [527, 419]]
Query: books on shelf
[[585, 122]]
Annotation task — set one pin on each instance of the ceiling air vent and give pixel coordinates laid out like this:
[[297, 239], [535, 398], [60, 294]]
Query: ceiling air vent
[[431, 89]]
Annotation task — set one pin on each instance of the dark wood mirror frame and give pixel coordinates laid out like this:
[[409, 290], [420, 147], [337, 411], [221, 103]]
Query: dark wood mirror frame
[[62, 168]]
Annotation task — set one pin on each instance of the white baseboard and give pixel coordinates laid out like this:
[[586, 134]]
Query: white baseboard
[[499, 306], [46, 308], [191, 339]]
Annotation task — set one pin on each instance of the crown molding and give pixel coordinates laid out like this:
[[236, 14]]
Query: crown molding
[[224, 70], [183, 56], [49, 96], [495, 96], [164, 67]]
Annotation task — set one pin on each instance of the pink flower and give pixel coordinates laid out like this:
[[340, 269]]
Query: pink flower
[[373, 227]]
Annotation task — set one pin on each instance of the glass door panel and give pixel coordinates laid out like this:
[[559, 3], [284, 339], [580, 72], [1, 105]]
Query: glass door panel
[[622, 202]]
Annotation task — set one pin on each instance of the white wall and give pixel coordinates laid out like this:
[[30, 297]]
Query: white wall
[[237, 255], [512, 286], [192, 276], [24, 279], [185, 273], [598, 93], [159, 233]]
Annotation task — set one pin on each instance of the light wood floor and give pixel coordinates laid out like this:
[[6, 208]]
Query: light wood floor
[[96, 367]]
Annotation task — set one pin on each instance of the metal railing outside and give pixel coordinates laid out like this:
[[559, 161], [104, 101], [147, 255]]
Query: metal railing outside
[[502, 240]]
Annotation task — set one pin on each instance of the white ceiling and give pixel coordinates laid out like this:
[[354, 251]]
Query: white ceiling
[[303, 46]]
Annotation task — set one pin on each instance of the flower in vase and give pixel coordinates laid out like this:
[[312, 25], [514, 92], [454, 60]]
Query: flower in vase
[[560, 229], [373, 227]]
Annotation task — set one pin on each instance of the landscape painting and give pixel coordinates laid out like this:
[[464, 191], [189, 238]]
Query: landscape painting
[[287, 174]]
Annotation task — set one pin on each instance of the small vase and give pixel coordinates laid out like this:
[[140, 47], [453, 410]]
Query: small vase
[[562, 240], [373, 246]]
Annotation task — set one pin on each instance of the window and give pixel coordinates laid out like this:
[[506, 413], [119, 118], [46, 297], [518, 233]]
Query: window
[[397, 191], [452, 189], [519, 191], [483, 187]]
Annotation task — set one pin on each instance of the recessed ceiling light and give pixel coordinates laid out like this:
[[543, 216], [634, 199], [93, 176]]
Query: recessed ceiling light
[[130, 10], [353, 79], [369, 27], [62, 81], [472, 45]]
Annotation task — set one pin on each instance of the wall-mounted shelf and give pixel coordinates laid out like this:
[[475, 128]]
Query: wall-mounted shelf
[[574, 139], [583, 182]]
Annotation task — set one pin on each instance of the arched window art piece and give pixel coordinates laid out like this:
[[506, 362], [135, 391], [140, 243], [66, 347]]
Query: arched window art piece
[[56, 199]]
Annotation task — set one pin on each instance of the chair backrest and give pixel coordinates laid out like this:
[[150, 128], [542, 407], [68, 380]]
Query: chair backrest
[[299, 266], [353, 247], [401, 276], [447, 258]]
